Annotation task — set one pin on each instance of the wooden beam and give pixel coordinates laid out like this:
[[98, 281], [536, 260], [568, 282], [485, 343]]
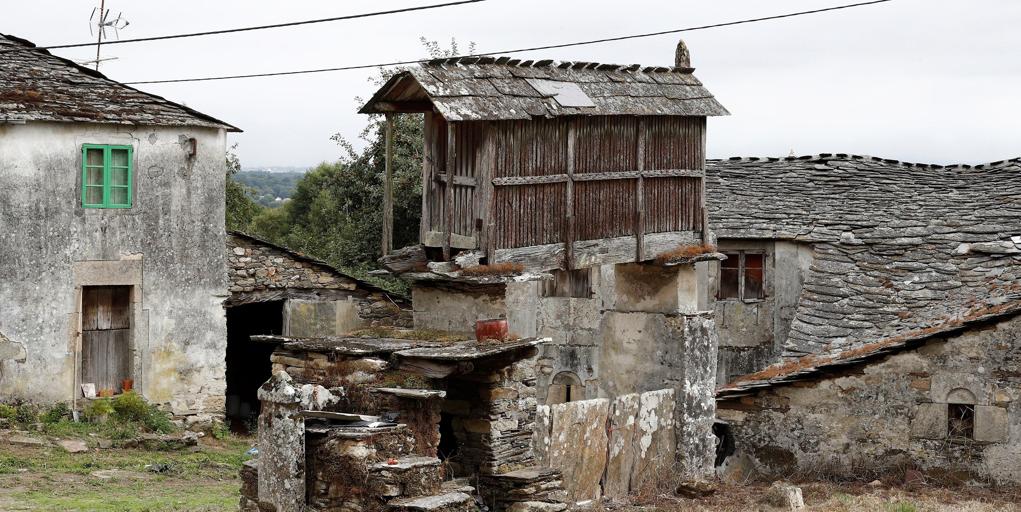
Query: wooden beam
[[428, 164], [454, 240], [467, 181], [388, 180], [529, 180], [640, 193], [448, 226]]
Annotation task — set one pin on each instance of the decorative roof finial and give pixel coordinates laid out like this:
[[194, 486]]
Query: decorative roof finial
[[682, 58]]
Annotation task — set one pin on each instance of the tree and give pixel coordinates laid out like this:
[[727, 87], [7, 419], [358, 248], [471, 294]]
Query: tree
[[240, 209]]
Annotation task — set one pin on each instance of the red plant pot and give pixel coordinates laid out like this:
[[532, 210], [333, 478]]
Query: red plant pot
[[495, 329]]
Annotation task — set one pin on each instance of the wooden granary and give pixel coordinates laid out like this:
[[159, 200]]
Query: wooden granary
[[557, 165]]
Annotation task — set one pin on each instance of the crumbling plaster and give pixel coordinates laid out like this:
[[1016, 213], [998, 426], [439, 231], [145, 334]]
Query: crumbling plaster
[[886, 416], [175, 229]]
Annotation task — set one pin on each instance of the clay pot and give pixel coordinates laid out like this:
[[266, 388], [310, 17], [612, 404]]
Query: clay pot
[[127, 384], [495, 329]]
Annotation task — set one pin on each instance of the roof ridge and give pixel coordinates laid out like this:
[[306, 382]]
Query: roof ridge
[[512, 62], [852, 156]]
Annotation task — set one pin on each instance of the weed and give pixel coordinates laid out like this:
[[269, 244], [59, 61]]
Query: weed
[[57, 412], [684, 252], [494, 270], [98, 410], [903, 506], [220, 431], [26, 413], [8, 412]]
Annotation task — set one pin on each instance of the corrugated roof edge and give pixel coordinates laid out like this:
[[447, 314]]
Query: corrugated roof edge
[[812, 366], [96, 74], [848, 156], [306, 258]]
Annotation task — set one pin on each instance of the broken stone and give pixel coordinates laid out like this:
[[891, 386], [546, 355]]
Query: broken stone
[[784, 496], [695, 489], [536, 506], [73, 445], [25, 441], [578, 447]]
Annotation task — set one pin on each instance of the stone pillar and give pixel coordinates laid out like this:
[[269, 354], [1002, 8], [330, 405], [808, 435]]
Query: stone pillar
[[696, 398], [282, 440]]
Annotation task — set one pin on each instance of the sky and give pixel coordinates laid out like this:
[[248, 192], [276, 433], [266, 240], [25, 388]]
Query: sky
[[934, 81]]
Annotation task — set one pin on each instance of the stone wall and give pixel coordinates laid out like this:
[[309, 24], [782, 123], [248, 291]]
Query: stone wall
[[320, 300], [753, 332], [168, 246], [879, 419]]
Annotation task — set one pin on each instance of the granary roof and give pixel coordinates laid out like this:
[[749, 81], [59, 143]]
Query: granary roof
[[899, 247], [491, 88], [38, 86]]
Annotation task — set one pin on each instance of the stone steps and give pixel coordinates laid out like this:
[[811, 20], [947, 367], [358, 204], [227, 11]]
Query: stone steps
[[447, 502], [533, 488]]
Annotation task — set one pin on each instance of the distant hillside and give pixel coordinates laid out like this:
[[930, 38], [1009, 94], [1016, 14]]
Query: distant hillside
[[271, 187]]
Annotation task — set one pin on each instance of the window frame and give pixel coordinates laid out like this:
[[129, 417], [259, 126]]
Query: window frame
[[107, 167], [741, 275]]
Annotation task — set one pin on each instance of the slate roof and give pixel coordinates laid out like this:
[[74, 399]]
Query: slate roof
[[490, 88], [814, 366], [899, 247], [38, 86]]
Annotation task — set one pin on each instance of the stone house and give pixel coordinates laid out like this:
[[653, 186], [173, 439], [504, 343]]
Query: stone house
[[568, 199], [881, 333], [112, 268], [274, 290]]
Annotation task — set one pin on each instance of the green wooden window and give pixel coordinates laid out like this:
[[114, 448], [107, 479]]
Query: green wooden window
[[106, 176]]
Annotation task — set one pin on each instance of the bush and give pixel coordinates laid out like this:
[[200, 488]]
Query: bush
[[8, 412], [57, 412], [131, 407], [26, 414], [98, 410]]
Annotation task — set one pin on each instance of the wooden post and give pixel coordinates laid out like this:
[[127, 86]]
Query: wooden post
[[388, 193], [449, 190], [569, 239], [640, 194]]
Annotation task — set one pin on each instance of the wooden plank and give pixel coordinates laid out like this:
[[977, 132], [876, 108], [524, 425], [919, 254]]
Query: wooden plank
[[535, 257], [90, 313], [428, 164], [449, 189], [464, 181], [438, 239], [484, 193], [640, 193], [120, 307], [530, 180], [120, 356], [388, 194], [569, 203]]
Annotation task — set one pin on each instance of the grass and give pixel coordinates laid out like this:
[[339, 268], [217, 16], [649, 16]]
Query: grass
[[684, 252], [494, 270], [410, 334], [43, 479]]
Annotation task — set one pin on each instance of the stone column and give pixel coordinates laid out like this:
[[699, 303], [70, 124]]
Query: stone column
[[696, 398]]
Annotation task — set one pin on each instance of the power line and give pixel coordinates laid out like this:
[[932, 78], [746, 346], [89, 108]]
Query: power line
[[257, 27], [518, 50]]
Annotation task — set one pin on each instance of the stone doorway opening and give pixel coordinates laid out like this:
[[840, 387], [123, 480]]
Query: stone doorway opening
[[248, 363]]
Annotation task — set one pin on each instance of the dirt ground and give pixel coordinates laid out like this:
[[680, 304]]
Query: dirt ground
[[852, 497], [205, 478]]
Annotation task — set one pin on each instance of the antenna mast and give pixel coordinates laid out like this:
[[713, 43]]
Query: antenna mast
[[100, 18]]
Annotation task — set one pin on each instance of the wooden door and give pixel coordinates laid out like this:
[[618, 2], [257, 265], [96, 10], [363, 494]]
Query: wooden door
[[106, 328]]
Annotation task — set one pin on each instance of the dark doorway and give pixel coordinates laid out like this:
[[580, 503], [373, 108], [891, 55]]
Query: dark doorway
[[248, 365], [725, 446], [106, 338], [448, 439]]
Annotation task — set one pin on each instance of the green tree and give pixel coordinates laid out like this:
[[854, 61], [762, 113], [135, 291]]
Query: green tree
[[240, 209]]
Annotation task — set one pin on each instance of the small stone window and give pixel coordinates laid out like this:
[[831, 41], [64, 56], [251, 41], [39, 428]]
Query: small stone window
[[566, 387], [741, 276], [961, 421], [569, 283]]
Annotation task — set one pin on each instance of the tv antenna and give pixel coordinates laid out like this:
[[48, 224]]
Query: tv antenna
[[100, 18]]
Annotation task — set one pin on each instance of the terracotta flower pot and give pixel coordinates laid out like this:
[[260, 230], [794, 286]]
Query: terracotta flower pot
[[495, 329], [127, 384]]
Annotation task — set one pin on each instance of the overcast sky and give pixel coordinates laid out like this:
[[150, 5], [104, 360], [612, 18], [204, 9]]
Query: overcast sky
[[919, 80]]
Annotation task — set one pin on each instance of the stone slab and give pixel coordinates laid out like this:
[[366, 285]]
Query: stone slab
[[578, 446], [621, 459], [990, 424]]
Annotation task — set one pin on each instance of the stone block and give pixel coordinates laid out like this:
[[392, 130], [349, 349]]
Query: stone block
[[655, 289], [655, 441], [621, 458], [578, 446], [990, 424], [930, 421]]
